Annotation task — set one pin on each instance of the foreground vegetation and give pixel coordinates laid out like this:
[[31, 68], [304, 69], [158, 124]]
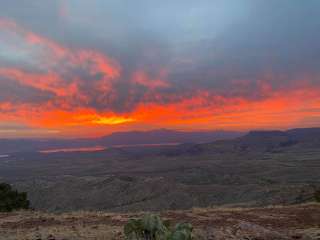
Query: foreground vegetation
[[11, 199], [269, 223], [152, 227], [317, 196]]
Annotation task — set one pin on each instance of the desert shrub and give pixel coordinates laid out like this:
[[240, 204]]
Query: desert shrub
[[317, 195], [152, 227], [11, 199]]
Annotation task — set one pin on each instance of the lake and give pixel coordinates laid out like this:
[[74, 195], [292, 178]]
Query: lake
[[100, 148], [80, 149]]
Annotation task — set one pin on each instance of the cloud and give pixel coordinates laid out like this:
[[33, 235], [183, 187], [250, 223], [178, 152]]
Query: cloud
[[12, 130], [177, 64], [65, 73], [15, 92]]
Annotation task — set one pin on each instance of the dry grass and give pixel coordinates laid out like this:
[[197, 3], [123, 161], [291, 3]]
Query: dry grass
[[237, 208], [273, 222]]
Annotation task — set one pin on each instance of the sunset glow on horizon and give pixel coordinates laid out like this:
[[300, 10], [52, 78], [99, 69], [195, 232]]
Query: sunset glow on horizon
[[90, 68]]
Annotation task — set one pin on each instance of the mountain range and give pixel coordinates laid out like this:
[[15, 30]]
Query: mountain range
[[159, 136], [256, 169]]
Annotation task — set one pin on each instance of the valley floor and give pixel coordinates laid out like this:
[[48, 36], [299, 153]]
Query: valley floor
[[276, 222]]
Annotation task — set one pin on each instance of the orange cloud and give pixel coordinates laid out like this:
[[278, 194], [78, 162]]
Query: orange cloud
[[97, 119], [72, 107], [282, 110]]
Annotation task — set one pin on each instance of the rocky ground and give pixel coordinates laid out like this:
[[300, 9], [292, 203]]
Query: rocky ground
[[276, 222]]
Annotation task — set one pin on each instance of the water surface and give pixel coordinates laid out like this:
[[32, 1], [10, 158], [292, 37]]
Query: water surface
[[80, 149]]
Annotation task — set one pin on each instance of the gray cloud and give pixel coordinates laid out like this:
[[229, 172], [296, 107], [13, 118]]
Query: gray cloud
[[16, 93], [203, 45]]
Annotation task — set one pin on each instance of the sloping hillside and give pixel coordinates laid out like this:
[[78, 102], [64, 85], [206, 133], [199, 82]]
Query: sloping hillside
[[258, 169]]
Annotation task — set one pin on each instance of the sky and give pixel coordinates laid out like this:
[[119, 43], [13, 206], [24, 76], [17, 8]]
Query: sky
[[79, 68]]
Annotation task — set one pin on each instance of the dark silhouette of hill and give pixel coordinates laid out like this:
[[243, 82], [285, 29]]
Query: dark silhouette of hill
[[165, 136], [161, 136], [273, 139]]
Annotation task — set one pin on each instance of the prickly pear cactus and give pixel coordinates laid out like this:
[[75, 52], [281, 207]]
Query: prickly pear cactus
[[151, 227]]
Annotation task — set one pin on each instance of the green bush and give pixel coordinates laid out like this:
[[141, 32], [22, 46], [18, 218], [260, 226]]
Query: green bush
[[152, 227], [317, 196], [11, 199]]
